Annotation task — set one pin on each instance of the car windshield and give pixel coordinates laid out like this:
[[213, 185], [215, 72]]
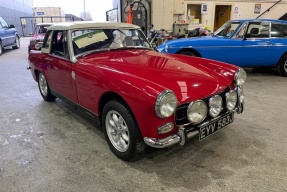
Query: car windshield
[[90, 40], [41, 29], [227, 29]]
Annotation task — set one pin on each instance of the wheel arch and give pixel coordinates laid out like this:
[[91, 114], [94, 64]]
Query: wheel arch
[[36, 72], [281, 65], [284, 54], [108, 96], [190, 50]]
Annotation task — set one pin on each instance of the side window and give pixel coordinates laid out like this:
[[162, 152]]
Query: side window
[[258, 30], [3, 23], [241, 32], [47, 40], [278, 30], [60, 44]]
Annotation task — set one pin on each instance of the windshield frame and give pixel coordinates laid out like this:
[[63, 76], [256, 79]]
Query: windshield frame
[[133, 33], [226, 27]]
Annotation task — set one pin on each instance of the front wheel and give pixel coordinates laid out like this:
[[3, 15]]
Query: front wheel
[[17, 42], [121, 130], [282, 66], [44, 88], [1, 48]]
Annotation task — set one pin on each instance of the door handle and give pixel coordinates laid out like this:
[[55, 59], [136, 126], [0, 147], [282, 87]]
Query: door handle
[[266, 43]]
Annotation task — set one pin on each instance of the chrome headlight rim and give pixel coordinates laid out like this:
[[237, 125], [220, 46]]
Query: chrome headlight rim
[[189, 108], [33, 42], [227, 97], [160, 98], [37, 46], [240, 92], [211, 107], [166, 48], [240, 77]]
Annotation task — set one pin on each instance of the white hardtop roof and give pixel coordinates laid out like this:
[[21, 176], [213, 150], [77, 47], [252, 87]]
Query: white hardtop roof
[[90, 24], [41, 24]]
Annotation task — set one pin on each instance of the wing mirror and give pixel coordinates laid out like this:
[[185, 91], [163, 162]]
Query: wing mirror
[[11, 26], [39, 45]]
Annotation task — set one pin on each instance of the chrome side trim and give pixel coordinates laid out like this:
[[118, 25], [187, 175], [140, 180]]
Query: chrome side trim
[[179, 138]]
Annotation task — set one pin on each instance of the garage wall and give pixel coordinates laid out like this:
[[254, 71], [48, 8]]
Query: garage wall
[[239, 10], [167, 12], [12, 10]]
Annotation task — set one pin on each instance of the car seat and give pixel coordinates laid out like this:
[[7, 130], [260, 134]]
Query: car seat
[[254, 32]]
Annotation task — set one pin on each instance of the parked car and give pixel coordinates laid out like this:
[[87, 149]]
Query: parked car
[[9, 36], [141, 97], [245, 43], [38, 36]]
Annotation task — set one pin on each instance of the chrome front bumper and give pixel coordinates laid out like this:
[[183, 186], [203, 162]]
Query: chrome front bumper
[[179, 138]]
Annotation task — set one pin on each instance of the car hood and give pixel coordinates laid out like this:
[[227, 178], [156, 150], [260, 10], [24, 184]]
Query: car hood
[[195, 41], [188, 80], [39, 36]]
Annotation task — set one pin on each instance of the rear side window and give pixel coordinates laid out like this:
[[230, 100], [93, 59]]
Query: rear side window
[[278, 30], [3, 23], [258, 30]]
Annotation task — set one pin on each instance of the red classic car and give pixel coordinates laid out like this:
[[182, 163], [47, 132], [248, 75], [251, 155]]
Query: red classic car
[[38, 36], [140, 96]]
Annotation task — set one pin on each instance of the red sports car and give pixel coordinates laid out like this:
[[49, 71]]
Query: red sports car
[[140, 96], [38, 36]]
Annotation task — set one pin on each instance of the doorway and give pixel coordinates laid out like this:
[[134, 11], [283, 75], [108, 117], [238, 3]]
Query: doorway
[[222, 14]]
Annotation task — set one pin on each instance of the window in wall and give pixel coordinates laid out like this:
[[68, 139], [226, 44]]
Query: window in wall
[[194, 13]]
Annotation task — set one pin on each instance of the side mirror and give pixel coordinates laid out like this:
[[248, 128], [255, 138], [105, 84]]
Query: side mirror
[[11, 26], [39, 45], [31, 33]]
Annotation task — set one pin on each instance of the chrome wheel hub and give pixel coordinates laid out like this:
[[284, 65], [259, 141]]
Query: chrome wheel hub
[[43, 84], [117, 131], [285, 66]]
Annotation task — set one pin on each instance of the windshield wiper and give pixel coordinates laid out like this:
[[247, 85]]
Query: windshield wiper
[[91, 52]]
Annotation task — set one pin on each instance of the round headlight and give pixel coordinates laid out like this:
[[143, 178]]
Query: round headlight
[[240, 77], [215, 105], [231, 100], [166, 103], [33, 42], [196, 111], [37, 46]]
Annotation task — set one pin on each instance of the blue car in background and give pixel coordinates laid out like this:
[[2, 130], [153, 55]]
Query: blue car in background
[[245, 43], [8, 36]]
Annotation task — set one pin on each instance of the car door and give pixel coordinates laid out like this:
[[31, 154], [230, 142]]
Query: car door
[[279, 40], [4, 32], [60, 69], [251, 46]]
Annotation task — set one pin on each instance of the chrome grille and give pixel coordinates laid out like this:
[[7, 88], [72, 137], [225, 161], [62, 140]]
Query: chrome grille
[[181, 111]]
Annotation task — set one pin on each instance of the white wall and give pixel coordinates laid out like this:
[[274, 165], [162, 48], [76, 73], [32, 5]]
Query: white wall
[[162, 11]]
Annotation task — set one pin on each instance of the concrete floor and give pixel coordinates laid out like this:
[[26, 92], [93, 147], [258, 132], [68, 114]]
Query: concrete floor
[[47, 147]]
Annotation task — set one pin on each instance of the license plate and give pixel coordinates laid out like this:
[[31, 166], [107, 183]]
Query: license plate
[[212, 127]]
